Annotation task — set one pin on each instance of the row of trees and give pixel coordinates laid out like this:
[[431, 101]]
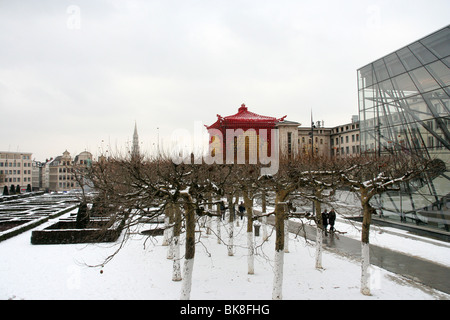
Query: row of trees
[[14, 190], [146, 188]]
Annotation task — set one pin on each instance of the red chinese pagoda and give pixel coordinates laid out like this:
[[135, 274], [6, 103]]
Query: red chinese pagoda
[[241, 123]]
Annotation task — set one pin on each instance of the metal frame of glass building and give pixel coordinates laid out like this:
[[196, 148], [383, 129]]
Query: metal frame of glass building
[[404, 103]]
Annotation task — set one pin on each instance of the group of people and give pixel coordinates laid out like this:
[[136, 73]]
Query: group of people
[[241, 209], [328, 218]]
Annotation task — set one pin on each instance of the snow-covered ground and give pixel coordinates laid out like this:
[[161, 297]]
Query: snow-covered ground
[[140, 270]]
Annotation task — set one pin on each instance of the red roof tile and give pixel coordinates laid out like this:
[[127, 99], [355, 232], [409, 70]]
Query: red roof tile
[[244, 116]]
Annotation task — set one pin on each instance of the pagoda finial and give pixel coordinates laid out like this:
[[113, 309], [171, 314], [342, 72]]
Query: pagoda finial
[[243, 108]]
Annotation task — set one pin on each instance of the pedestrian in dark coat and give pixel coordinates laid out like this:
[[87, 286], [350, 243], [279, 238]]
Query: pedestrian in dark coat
[[325, 220], [332, 219], [241, 210]]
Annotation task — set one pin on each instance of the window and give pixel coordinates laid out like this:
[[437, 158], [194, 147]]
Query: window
[[430, 142], [438, 43], [393, 65], [408, 59], [380, 70], [289, 141], [422, 53]]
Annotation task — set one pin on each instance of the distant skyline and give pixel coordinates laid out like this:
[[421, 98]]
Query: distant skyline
[[77, 75]]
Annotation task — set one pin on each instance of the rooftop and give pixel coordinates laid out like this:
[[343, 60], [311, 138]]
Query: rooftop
[[243, 116]]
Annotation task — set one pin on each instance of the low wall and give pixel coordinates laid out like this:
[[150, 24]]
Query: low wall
[[64, 232]]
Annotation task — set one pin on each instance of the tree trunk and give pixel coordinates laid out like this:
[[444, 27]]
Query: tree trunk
[[264, 219], [365, 256], [166, 225], [208, 219], [230, 225], [218, 222], [319, 234], [250, 245], [190, 252], [170, 209], [279, 249], [176, 272], [286, 233]]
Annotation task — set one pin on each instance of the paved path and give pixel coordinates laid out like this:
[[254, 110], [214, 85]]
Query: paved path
[[431, 274]]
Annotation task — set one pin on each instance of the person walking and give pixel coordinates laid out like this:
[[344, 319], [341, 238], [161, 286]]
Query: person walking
[[241, 210], [222, 209], [325, 220], [331, 219]]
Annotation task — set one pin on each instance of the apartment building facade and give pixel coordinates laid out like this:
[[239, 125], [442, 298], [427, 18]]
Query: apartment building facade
[[344, 140], [339, 141], [61, 171], [15, 169]]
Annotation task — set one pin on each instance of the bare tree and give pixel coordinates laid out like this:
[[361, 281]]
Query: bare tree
[[282, 184], [370, 175]]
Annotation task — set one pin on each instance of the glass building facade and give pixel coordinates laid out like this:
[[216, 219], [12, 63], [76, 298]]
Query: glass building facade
[[404, 103]]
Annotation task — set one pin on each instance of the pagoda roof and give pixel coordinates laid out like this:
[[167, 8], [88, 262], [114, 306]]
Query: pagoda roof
[[243, 116]]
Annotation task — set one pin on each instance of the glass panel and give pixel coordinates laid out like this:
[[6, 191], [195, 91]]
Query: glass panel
[[408, 59], [423, 80], [438, 102], [387, 92], [417, 108], [380, 70], [369, 96], [439, 43], [422, 53], [365, 76], [404, 86], [446, 61], [393, 65], [440, 72]]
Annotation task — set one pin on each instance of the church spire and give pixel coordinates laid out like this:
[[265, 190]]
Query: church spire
[[135, 150]]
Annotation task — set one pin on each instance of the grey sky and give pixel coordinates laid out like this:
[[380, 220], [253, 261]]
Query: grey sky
[[76, 75]]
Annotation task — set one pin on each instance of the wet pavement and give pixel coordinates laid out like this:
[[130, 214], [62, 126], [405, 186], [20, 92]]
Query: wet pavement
[[431, 274]]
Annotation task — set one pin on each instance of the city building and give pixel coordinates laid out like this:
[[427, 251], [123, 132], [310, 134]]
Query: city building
[[315, 140], [39, 172], [344, 139], [241, 134], [62, 171], [15, 169], [293, 140], [404, 106]]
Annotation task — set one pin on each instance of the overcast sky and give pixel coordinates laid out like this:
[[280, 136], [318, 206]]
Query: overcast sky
[[76, 75]]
